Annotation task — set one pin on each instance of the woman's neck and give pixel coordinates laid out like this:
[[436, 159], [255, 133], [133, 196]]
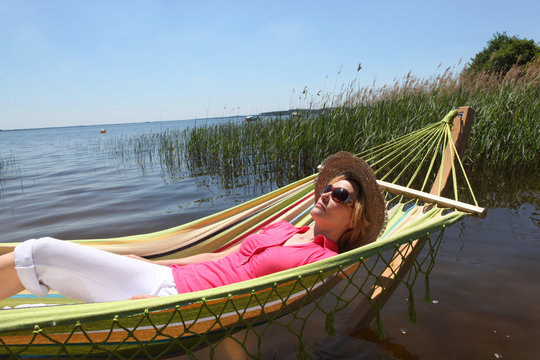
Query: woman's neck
[[301, 237], [331, 234], [311, 234]]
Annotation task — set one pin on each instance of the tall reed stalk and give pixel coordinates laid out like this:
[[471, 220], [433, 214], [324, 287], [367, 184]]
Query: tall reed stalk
[[8, 167], [505, 135]]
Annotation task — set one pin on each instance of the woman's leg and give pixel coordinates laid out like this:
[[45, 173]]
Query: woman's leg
[[11, 284], [86, 273]]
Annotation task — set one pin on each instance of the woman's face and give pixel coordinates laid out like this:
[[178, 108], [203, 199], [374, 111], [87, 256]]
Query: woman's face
[[332, 214]]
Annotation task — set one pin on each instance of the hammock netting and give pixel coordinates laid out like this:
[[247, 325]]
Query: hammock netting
[[244, 316]]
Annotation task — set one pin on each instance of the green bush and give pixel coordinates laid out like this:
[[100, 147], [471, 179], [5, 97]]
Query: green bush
[[502, 52]]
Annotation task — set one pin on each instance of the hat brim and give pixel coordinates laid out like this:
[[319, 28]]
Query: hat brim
[[344, 163]]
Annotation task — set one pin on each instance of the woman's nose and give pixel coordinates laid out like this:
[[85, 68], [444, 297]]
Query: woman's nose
[[325, 197]]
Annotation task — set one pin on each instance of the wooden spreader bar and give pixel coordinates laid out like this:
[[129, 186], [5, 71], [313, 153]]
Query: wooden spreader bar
[[432, 199]]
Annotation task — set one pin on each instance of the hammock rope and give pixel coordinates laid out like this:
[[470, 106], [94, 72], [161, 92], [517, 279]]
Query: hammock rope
[[244, 316]]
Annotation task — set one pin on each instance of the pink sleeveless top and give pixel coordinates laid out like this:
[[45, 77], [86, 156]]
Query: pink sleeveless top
[[260, 254]]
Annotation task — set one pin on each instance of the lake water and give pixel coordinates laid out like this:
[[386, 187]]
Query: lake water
[[60, 182]]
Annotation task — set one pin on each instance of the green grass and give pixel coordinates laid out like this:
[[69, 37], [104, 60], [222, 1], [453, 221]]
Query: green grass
[[504, 138]]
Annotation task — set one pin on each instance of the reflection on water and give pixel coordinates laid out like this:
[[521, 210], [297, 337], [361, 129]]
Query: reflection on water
[[364, 345], [484, 283], [508, 191]]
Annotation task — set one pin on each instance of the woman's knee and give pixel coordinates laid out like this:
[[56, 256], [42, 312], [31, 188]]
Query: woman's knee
[[35, 251], [27, 256]]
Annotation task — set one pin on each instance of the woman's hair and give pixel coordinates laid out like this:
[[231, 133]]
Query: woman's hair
[[355, 236]]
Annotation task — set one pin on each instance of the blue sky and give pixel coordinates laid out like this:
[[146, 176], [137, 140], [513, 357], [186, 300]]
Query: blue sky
[[97, 62]]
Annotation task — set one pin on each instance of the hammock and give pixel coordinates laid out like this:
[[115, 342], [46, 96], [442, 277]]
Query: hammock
[[242, 313]]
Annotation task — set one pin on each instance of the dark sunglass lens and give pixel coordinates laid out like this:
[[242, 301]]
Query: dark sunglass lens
[[327, 189], [341, 194]]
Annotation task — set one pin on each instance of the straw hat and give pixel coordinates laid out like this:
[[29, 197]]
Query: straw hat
[[344, 163]]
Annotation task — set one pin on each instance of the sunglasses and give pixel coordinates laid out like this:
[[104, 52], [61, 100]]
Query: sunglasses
[[340, 195]]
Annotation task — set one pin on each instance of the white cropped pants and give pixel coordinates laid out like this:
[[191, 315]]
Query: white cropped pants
[[84, 273]]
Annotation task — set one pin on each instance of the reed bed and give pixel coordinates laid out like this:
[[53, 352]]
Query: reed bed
[[505, 135], [8, 167]]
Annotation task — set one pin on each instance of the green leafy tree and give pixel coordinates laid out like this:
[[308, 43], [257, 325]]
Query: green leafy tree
[[502, 52]]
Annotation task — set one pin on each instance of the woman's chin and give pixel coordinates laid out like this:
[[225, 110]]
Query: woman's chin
[[315, 212], [319, 216]]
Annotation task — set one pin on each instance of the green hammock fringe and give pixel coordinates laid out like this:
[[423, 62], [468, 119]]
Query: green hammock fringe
[[337, 298]]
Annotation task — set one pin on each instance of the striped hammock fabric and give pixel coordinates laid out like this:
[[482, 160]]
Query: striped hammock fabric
[[243, 313]]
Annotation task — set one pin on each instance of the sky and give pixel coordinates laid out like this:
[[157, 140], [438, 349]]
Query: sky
[[65, 63]]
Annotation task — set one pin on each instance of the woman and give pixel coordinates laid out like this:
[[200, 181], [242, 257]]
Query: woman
[[349, 212]]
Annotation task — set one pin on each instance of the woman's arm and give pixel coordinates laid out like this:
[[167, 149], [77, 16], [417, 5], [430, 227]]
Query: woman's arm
[[191, 259]]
